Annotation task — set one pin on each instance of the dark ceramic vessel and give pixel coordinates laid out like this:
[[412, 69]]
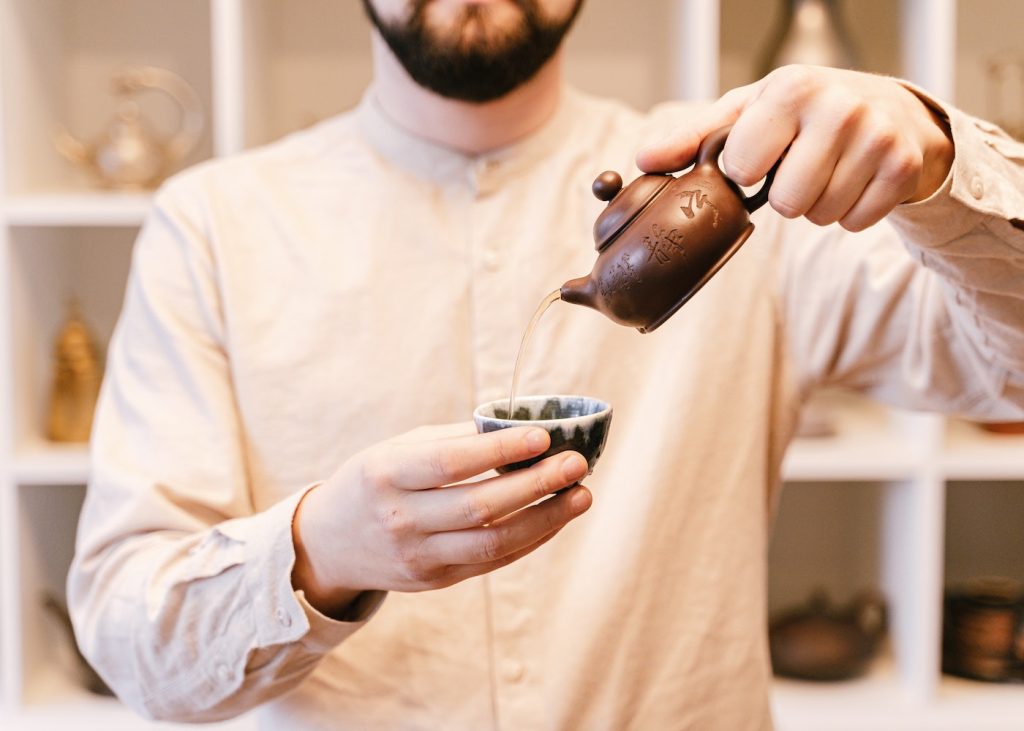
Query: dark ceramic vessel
[[577, 423], [983, 630], [662, 238], [823, 642]]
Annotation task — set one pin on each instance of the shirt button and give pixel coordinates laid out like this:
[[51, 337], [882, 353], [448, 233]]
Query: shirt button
[[224, 673], [512, 670], [977, 187], [491, 260], [283, 618]]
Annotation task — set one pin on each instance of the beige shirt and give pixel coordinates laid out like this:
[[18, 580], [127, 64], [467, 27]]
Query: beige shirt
[[292, 305]]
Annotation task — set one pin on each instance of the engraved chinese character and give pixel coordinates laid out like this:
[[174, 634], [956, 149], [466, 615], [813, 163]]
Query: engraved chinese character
[[661, 245], [697, 199]]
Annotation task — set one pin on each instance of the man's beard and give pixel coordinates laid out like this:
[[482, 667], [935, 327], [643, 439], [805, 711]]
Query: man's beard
[[482, 70]]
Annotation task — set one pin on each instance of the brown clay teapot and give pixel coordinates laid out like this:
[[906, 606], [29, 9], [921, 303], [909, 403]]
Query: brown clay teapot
[[662, 238]]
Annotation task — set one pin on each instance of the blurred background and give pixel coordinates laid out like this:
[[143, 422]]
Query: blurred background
[[898, 555]]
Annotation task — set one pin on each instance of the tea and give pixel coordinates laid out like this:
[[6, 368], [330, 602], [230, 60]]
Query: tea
[[545, 303]]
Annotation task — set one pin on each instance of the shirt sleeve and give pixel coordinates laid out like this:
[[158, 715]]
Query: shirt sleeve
[[179, 591], [940, 329]]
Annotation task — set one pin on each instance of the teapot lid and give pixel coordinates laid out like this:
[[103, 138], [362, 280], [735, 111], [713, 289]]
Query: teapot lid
[[624, 204]]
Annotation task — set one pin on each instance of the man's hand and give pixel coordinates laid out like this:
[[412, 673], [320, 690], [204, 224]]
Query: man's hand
[[396, 517], [856, 145]]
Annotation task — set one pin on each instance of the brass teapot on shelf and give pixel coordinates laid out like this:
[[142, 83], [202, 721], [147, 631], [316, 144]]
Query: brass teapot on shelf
[[662, 238], [129, 155]]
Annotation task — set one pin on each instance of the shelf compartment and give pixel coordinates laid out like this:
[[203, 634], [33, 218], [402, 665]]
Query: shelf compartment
[[78, 209], [983, 530], [303, 62], [640, 71], [48, 266], [747, 27], [846, 538], [58, 58], [47, 518]]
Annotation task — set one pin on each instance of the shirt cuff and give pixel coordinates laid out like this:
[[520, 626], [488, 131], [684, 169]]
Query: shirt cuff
[[281, 614], [984, 184]]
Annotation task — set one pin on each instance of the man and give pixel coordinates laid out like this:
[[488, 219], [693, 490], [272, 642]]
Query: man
[[256, 532]]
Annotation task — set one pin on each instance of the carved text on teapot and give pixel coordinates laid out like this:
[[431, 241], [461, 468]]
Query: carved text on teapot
[[697, 199], [662, 245], [624, 277]]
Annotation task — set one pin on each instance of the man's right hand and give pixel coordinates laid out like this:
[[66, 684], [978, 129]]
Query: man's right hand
[[395, 516]]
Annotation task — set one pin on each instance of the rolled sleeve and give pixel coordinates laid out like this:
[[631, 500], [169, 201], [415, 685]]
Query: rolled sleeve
[[282, 614]]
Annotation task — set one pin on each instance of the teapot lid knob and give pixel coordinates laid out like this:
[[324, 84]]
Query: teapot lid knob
[[607, 185]]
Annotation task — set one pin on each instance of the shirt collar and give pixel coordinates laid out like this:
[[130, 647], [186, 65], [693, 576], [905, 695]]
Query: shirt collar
[[434, 161]]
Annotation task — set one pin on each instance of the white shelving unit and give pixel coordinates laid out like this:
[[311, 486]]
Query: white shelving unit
[[894, 500]]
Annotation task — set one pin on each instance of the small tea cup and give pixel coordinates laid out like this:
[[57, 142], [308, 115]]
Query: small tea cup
[[577, 423]]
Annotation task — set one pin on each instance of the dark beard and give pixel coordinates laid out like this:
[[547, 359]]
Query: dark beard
[[482, 71]]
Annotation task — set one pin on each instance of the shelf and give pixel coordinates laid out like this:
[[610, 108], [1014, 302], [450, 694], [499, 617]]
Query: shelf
[[878, 702], [868, 444], [54, 701], [50, 463], [963, 703], [971, 453], [78, 209]]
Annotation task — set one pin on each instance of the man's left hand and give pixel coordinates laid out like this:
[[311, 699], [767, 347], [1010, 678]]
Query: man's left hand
[[856, 145]]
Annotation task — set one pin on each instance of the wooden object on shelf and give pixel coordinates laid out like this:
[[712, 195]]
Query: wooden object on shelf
[[983, 630], [1003, 427]]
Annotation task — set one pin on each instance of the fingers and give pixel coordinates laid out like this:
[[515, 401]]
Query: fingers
[[460, 572], [509, 535], [805, 171], [482, 503], [757, 140], [853, 146], [417, 465], [677, 150]]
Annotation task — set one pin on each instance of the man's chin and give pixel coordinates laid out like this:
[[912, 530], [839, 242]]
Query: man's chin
[[474, 26]]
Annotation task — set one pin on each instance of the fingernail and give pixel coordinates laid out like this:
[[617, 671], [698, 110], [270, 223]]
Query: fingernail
[[537, 439], [580, 501], [574, 467]]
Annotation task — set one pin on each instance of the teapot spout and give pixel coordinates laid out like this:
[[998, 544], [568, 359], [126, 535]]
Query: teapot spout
[[580, 291]]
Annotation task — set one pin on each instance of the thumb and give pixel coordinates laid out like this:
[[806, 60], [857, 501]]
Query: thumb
[[678, 148]]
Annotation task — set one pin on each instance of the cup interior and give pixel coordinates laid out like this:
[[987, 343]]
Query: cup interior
[[543, 408]]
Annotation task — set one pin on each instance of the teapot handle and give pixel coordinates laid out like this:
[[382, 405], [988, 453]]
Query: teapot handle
[[707, 154], [191, 126]]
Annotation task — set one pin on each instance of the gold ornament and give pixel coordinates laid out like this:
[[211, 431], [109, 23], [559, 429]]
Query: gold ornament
[[76, 382]]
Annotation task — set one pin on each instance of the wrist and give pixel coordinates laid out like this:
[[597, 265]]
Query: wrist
[[307, 575], [937, 149]]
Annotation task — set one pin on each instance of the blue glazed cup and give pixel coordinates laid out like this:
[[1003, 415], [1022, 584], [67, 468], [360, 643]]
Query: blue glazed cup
[[577, 423]]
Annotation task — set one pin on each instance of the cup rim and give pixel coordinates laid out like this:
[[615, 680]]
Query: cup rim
[[605, 411]]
